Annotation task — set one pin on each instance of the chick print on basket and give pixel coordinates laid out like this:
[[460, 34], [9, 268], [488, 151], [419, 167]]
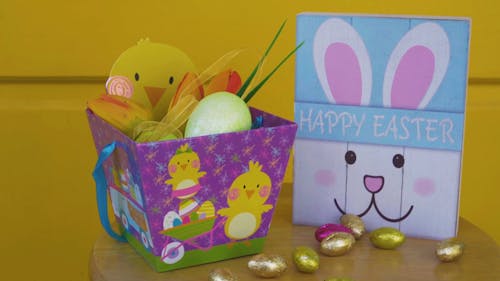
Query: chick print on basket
[[184, 170], [246, 202]]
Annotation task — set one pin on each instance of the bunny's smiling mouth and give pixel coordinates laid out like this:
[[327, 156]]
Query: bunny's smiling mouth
[[374, 184]]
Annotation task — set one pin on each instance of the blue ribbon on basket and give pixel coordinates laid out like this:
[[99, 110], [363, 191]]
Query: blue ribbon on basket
[[101, 189], [258, 122]]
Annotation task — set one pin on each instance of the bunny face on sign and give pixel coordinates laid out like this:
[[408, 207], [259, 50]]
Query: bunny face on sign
[[380, 108]]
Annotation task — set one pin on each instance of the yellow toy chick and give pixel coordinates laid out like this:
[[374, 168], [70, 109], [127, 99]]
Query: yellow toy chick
[[184, 170], [245, 199], [149, 73]]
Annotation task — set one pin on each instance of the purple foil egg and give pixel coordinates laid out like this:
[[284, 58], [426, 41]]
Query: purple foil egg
[[325, 230]]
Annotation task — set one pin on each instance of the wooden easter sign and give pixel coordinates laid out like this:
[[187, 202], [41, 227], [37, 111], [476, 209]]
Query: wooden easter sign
[[380, 105]]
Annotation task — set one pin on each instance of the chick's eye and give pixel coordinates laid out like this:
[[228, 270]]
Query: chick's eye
[[244, 186], [171, 80], [136, 76], [398, 160], [258, 185], [350, 157]]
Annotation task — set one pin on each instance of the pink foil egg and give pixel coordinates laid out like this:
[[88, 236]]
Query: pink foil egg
[[327, 229]]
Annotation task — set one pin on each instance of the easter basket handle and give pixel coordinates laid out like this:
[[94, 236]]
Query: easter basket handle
[[101, 190]]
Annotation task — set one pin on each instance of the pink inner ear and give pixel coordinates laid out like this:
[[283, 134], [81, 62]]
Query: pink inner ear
[[412, 78], [343, 74]]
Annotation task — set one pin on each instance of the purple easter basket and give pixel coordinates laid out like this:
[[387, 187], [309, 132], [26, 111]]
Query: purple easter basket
[[196, 200]]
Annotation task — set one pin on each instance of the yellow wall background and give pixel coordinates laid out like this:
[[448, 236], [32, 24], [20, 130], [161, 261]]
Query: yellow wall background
[[55, 55]]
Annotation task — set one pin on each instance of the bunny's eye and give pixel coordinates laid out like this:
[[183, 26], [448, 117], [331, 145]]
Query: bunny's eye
[[350, 157], [398, 161]]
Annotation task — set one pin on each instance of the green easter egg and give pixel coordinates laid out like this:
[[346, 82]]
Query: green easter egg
[[306, 259], [387, 238], [218, 113]]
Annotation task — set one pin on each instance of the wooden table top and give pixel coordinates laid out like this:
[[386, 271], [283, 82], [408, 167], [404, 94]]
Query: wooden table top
[[414, 260]]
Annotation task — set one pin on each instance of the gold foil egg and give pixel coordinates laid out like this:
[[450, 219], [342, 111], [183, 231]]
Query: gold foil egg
[[337, 244], [221, 274], [449, 250], [267, 265], [354, 223], [387, 238], [306, 259]]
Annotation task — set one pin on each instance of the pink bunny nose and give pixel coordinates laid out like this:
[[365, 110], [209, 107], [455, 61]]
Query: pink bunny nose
[[373, 183]]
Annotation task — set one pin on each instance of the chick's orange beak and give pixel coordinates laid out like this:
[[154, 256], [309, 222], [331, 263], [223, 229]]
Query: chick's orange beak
[[250, 193], [154, 94]]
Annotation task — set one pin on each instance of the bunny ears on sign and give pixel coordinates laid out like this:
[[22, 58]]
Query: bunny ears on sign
[[414, 71]]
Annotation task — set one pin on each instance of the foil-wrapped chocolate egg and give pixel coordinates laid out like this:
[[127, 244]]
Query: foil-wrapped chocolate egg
[[327, 229], [387, 238], [354, 223], [337, 244], [222, 274], [306, 259], [449, 250], [267, 265]]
